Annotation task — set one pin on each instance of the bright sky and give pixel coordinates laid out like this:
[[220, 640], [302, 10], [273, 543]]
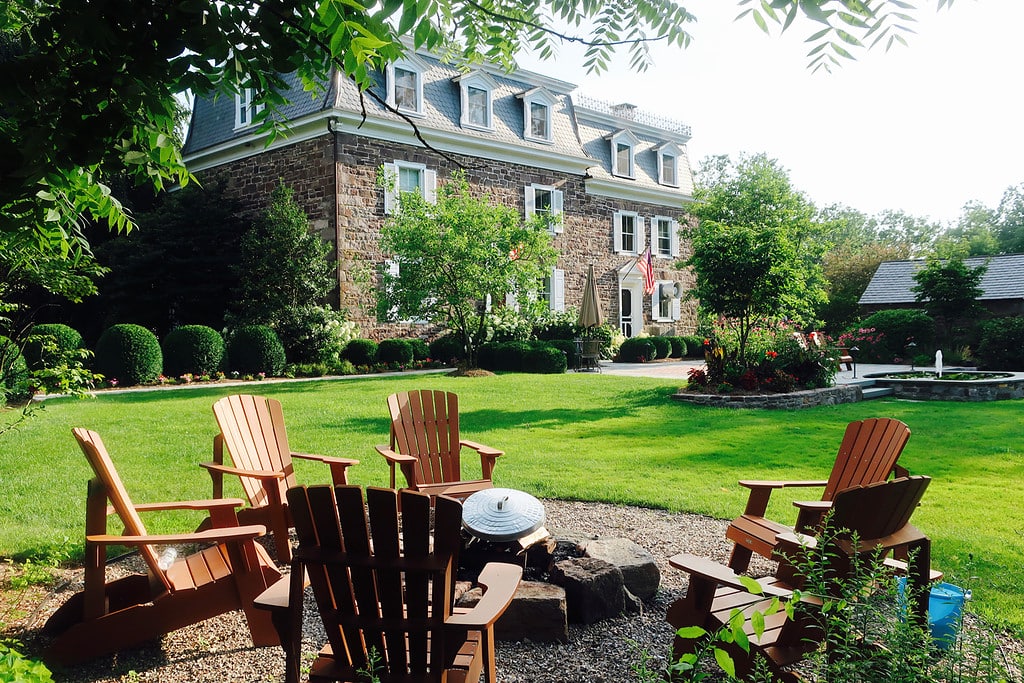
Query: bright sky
[[924, 128]]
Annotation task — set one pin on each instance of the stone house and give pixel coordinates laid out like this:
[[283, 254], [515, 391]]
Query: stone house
[[613, 178], [1002, 285]]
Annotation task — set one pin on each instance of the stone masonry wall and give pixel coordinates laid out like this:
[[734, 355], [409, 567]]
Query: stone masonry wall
[[348, 211]]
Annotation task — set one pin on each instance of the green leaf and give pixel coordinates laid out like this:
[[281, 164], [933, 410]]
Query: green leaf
[[690, 632], [751, 585], [725, 662]]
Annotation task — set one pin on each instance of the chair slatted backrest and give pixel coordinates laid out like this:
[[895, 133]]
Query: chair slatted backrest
[[868, 453], [425, 424], [114, 491], [379, 581], [255, 436], [880, 509]]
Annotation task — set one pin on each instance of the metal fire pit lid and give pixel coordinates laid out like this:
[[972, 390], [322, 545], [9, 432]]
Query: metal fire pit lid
[[502, 514]]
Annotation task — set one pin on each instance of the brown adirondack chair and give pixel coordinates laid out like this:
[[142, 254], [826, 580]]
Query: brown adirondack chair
[[426, 446], [252, 428], [385, 592], [879, 515], [867, 454], [108, 617]]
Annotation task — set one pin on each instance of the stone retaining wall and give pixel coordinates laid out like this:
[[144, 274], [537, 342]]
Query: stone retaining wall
[[798, 399], [943, 390]]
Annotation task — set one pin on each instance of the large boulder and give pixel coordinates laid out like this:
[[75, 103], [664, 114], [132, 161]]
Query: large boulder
[[536, 613], [593, 588], [640, 572]]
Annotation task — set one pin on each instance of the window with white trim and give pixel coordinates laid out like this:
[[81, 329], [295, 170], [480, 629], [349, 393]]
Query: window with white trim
[[553, 289], [623, 151], [408, 176], [405, 85], [245, 109], [538, 108], [665, 302], [545, 200], [668, 164], [664, 237], [476, 97], [629, 232]]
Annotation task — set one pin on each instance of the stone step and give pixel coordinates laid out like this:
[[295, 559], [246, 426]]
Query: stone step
[[877, 392]]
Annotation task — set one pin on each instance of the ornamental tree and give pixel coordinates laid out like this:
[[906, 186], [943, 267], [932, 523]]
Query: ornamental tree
[[449, 258], [949, 290]]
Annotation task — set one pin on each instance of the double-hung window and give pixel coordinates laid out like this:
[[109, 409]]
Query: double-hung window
[[538, 112], [245, 109], [476, 96], [664, 237], [668, 163], [629, 232], [545, 200], [406, 176], [623, 151], [665, 305], [405, 85]]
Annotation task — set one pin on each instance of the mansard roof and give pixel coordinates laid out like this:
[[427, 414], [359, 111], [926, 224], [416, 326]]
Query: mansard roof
[[893, 282]]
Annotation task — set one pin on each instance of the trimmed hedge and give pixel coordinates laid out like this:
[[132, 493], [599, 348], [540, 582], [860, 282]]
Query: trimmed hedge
[[448, 349], [520, 356], [545, 360], [360, 352], [678, 347], [420, 349], [637, 350], [694, 346], [395, 351], [1002, 344], [129, 354], [568, 347], [662, 345], [67, 338], [253, 349], [194, 349]]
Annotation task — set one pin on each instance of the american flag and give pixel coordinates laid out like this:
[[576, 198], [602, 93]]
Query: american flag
[[643, 263]]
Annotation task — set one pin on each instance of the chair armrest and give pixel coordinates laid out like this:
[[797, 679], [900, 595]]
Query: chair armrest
[[761, 492], [210, 505], [820, 506], [252, 474], [481, 449], [397, 458], [220, 535], [339, 466], [500, 581], [811, 513], [720, 574], [275, 597], [756, 484]]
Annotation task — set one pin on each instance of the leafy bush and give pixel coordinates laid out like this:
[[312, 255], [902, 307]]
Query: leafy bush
[[129, 354], [314, 334], [637, 350], [14, 374], [883, 337], [48, 343], [662, 345], [360, 352], [420, 349], [253, 349], [568, 347], [546, 360], [395, 351], [556, 325], [678, 347], [15, 666], [1002, 344], [694, 346], [509, 356], [448, 349], [195, 349]]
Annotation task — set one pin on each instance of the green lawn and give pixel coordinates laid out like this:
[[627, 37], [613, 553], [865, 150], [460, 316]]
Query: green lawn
[[588, 437]]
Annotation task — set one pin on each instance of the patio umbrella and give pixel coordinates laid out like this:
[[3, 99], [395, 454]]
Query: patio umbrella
[[590, 309]]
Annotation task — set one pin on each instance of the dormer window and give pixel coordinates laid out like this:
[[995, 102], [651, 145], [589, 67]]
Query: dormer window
[[245, 109], [538, 107], [624, 146], [405, 85], [476, 89], [668, 164]]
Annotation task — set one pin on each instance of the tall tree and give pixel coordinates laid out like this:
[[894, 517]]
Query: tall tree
[[753, 251], [449, 257], [949, 290], [1010, 220]]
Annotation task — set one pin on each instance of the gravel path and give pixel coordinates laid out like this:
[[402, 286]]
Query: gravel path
[[217, 651]]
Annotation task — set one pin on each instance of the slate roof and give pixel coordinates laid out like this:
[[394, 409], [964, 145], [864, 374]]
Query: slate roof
[[893, 282]]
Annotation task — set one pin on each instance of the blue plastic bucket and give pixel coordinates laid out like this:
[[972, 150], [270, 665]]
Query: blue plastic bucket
[[945, 609]]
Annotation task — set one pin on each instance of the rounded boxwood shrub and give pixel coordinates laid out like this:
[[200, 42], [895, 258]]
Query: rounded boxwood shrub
[[129, 354], [1002, 344], [694, 346], [568, 347], [448, 348], [547, 360], [195, 349], [662, 346], [420, 349], [253, 349], [637, 350], [14, 374], [67, 338], [360, 352], [678, 347], [509, 356], [394, 351]]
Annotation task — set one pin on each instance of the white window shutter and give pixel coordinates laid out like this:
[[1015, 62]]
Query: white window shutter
[[390, 188], [511, 301], [617, 220], [556, 211], [677, 308], [531, 203], [674, 232], [557, 289], [430, 186], [640, 235]]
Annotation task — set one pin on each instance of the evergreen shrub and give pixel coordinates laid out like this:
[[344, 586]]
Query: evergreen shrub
[[360, 352], [395, 351], [678, 347], [67, 339], [420, 349], [129, 354], [662, 346], [637, 350], [546, 360], [253, 349], [448, 348], [568, 347], [694, 346], [1002, 344], [193, 349], [14, 374], [883, 336]]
